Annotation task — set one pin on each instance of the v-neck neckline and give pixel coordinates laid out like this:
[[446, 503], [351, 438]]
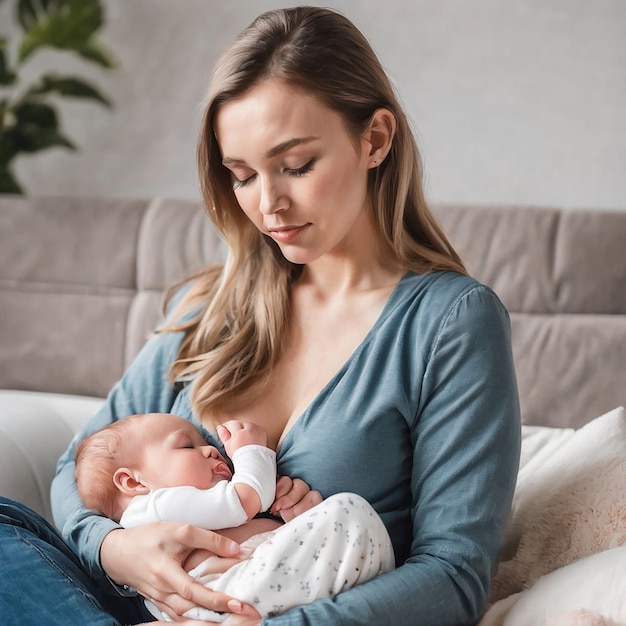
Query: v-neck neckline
[[325, 390]]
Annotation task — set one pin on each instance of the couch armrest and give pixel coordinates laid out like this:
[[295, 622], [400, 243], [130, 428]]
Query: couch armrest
[[35, 429]]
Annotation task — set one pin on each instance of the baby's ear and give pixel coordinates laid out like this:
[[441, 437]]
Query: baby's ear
[[128, 482]]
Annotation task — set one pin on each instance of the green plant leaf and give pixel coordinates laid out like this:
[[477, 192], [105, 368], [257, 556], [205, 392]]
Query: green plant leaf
[[36, 115], [33, 139], [8, 147], [96, 52], [7, 77], [26, 14], [28, 123], [62, 24], [27, 10], [68, 86], [8, 182]]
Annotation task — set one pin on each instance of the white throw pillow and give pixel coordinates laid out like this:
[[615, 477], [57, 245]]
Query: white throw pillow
[[568, 506], [589, 592]]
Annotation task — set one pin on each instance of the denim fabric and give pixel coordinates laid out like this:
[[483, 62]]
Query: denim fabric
[[43, 581]]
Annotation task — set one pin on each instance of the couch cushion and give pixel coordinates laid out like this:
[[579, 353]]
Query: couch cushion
[[35, 429], [176, 239], [542, 260], [81, 284], [67, 281]]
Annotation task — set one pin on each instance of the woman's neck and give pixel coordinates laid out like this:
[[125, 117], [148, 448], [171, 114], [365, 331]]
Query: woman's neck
[[332, 277]]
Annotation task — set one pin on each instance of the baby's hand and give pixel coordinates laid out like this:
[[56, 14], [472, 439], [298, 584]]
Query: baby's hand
[[236, 434]]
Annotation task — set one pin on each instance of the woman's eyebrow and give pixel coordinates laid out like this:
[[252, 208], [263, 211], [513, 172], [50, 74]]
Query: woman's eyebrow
[[287, 145], [276, 150]]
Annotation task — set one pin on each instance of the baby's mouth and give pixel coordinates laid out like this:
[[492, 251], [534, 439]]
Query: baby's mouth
[[221, 469]]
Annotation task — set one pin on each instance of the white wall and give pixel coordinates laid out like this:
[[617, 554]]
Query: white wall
[[517, 102]]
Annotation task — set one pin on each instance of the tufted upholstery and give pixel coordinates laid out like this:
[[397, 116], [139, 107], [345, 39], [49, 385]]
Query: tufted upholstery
[[81, 282]]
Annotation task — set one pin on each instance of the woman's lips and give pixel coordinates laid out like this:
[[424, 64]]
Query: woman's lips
[[286, 234]]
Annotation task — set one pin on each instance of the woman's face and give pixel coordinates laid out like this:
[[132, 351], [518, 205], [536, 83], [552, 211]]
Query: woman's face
[[297, 173]]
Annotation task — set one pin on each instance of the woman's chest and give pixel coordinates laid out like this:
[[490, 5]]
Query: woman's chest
[[354, 436], [309, 364]]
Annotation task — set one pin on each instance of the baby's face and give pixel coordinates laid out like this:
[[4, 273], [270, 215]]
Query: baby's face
[[175, 454]]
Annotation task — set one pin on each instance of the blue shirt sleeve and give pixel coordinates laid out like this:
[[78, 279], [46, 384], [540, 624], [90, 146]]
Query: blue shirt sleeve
[[144, 388], [465, 434]]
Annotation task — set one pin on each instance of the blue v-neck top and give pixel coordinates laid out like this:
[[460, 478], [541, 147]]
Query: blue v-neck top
[[422, 420]]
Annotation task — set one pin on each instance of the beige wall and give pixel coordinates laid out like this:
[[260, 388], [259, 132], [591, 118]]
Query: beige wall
[[514, 102]]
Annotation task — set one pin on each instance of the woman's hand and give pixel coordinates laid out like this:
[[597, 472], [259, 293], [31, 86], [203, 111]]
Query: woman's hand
[[150, 559], [293, 497], [246, 616]]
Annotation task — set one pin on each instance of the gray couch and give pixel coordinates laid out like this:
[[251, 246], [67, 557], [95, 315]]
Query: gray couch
[[81, 282]]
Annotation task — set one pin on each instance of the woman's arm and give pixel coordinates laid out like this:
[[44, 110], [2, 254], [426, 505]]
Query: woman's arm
[[148, 560], [466, 437], [143, 389], [111, 557]]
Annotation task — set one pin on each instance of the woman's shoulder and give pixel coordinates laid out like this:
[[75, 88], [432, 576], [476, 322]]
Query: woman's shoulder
[[444, 286], [437, 298]]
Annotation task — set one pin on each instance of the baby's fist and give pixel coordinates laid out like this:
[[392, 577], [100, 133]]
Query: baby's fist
[[237, 433]]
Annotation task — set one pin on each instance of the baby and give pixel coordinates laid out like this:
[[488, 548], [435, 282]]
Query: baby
[[146, 468], [154, 467]]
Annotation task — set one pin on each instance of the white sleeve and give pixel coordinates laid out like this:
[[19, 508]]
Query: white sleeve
[[213, 509], [255, 466]]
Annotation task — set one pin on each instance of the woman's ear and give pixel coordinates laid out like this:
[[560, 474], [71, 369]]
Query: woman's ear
[[129, 483], [379, 136]]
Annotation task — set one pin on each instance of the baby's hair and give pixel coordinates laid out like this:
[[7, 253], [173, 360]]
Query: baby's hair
[[97, 457]]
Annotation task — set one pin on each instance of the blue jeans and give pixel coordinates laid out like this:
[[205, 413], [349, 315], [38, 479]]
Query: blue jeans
[[43, 582]]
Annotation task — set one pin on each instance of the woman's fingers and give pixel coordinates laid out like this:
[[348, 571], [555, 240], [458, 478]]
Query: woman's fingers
[[179, 591], [150, 560], [187, 593], [310, 499], [191, 537], [243, 615], [284, 485], [293, 497]]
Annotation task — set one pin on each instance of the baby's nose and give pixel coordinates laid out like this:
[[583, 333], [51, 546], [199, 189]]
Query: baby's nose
[[207, 451]]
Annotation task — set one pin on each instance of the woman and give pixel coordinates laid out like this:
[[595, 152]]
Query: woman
[[343, 324]]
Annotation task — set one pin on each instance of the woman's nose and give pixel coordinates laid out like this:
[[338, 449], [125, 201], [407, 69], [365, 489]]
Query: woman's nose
[[272, 200]]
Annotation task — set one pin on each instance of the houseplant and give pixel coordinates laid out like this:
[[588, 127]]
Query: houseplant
[[29, 121]]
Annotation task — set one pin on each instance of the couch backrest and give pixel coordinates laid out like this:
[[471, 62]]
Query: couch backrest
[[81, 282], [562, 276]]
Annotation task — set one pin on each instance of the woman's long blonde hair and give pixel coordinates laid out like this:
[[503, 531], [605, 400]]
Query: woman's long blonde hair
[[242, 308]]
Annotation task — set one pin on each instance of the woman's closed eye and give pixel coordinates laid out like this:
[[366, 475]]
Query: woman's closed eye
[[300, 171], [238, 183]]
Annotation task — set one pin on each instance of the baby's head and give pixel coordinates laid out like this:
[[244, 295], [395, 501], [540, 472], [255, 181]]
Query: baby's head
[[98, 456], [141, 453]]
